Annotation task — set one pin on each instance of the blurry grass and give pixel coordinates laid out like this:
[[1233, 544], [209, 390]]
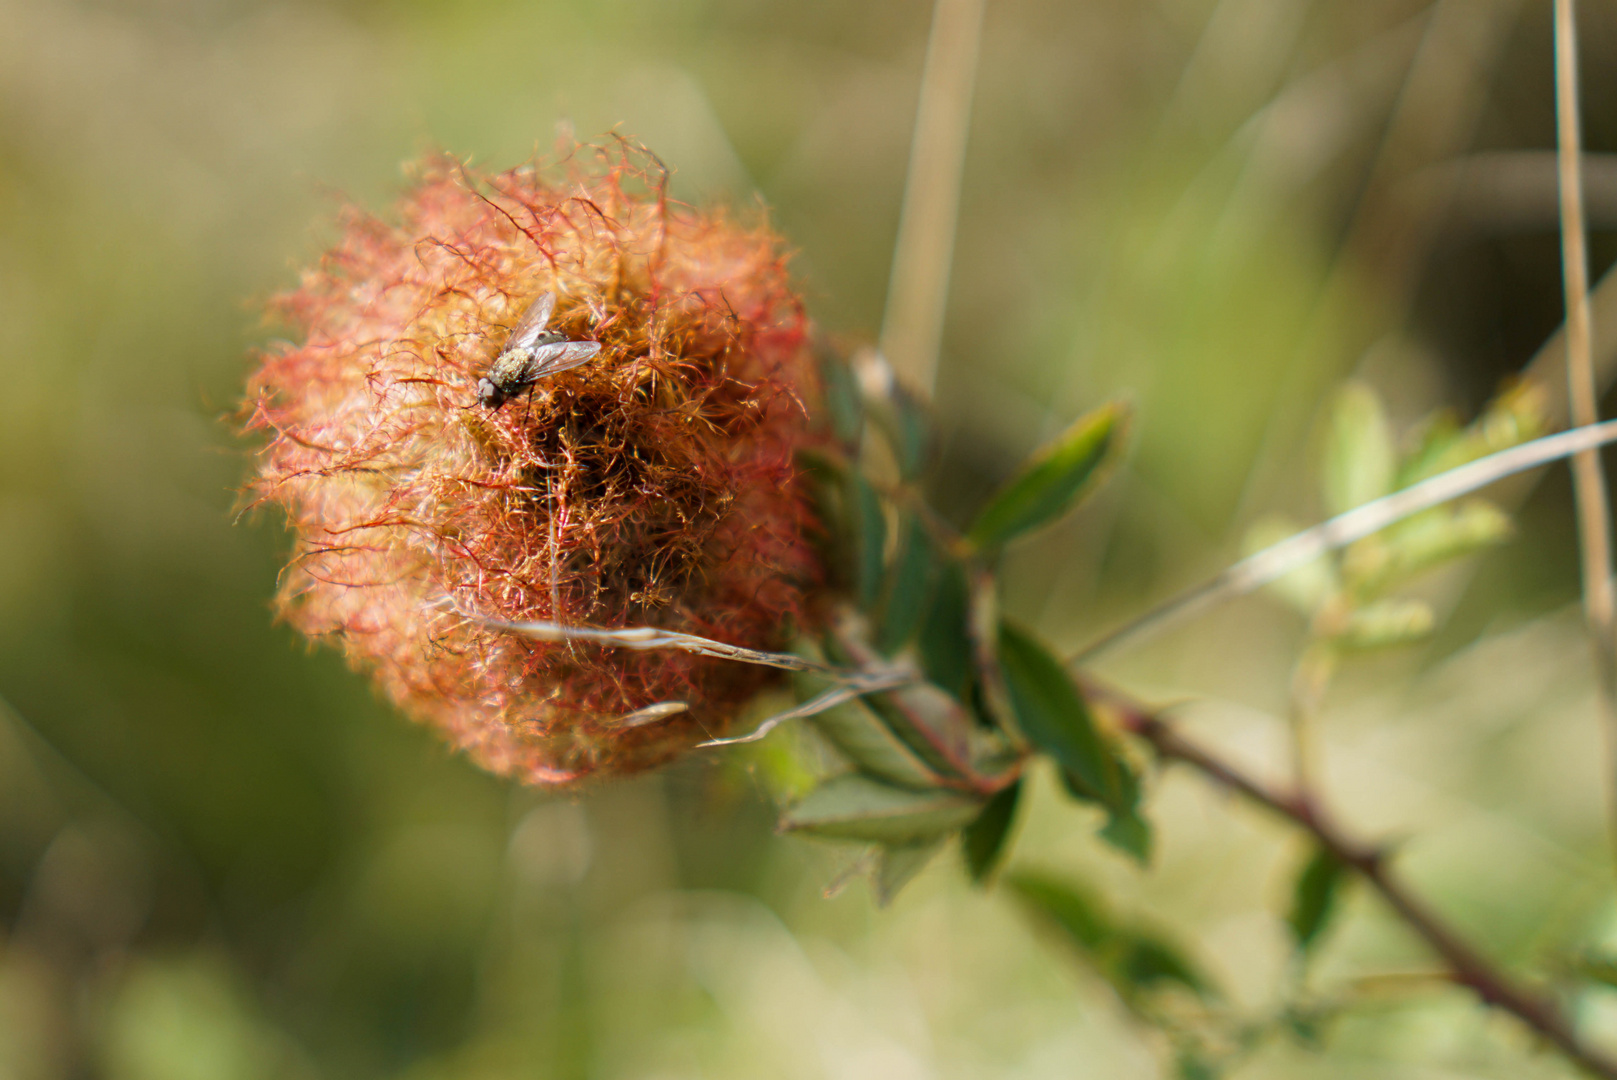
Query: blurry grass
[[318, 889]]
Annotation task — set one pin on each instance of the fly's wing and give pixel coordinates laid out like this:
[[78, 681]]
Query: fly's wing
[[559, 357], [532, 323]]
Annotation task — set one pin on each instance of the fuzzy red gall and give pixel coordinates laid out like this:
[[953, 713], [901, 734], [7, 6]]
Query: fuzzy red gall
[[653, 484]]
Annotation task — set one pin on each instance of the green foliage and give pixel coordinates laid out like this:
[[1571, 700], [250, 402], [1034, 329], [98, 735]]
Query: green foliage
[[868, 520], [1515, 417], [1148, 961], [923, 753], [855, 807], [897, 864], [931, 723], [1423, 542], [902, 420], [1344, 593], [1360, 459], [1443, 534], [1125, 828], [1053, 716], [905, 599], [983, 841], [921, 749], [1191, 1066], [868, 743], [1439, 446], [1069, 909], [1052, 482], [1314, 897], [841, 397], [1129, 956], [1385, 623], [944, 641]]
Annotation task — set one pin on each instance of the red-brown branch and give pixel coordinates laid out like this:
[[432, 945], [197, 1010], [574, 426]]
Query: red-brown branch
[[1467, 966]]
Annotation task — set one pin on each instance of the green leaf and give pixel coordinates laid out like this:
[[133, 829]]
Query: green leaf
[[1385, 624], [869, 523], [870, 745], [1191, 1066], [945, 638], [1129, 957], [1125, 829], [831, 487], [1052, 481], [842, 401], [1515, 417], [1423, 542], [907, 587], [983, 841], [929, 721], [856, 807], [1313, 898], [1129, 833], [1053, 717], [903, 421], [1147, 961], [1360, 458], [933, 724], [1308, 1027], [898, 865], [1073, 912], [1437, 445]]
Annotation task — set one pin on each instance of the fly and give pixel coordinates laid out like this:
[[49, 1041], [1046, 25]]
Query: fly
[[532, 353]]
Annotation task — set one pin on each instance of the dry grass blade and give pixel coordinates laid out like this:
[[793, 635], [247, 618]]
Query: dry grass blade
[[866, 683], [649, 637], [918, 289], [1279, 559], [1588, 480], [851, 683]]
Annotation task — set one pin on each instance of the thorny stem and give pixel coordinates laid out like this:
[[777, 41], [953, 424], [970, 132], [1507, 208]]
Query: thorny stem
[[1467, 966], [1588, 479]]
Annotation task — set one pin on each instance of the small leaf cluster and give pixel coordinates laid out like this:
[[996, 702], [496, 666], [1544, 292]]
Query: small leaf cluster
[[1159, 985], [1132, 957], [1314, 898], [1154, 980], [1350, 596], [945, 755]]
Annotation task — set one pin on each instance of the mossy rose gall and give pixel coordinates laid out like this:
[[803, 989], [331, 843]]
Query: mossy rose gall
[[649, 482]]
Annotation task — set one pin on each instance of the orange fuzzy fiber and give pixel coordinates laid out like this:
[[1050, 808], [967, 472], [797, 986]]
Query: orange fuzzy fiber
[[653, 485]]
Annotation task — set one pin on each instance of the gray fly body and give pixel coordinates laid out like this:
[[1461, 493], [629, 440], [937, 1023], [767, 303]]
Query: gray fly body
[[531, 354]]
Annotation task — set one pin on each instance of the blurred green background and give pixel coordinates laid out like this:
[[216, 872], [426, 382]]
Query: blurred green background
[[221, 857]]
